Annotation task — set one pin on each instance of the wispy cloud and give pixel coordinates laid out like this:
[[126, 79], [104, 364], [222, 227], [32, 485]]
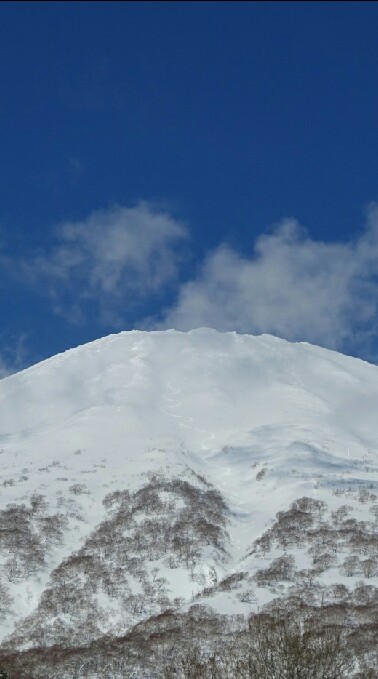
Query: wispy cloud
[[291, 285], [75, 169], [118, 262], [12, 356], [4, 369], [115, 257]]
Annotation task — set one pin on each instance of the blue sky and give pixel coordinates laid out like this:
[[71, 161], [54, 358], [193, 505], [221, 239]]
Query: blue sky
[[176, 164]]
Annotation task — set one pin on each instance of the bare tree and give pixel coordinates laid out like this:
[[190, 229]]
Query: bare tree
[[288, 649], [274, 648]]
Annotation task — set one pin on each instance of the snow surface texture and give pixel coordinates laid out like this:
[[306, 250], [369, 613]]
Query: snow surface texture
[[263, 420]]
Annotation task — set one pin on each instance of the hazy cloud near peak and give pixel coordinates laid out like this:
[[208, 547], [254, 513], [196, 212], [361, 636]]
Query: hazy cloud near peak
[[12, 355], [118, 263], [116, 254], [4, 370], [290, 285]]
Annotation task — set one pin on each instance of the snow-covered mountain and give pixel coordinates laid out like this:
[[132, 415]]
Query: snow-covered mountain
[[150, 471]]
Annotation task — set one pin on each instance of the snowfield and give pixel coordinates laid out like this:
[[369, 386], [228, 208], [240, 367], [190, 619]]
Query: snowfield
[[249, 424]]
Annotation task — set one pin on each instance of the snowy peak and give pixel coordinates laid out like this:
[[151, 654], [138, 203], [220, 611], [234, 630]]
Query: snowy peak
[[224, 404], [147, 471], [244, 382]]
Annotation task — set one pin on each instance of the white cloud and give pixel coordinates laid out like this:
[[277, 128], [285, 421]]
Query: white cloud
[[114, 257], [291, 285], [118, 262], [4, 369], [12, 355]]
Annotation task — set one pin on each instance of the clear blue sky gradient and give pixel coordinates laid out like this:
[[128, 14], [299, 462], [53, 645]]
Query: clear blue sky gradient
[[231, 115]]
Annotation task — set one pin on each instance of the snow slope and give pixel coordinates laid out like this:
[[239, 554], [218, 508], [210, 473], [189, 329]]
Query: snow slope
[[265, 421]]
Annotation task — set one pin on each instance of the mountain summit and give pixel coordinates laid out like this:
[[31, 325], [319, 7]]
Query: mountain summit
[[150, 471]]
